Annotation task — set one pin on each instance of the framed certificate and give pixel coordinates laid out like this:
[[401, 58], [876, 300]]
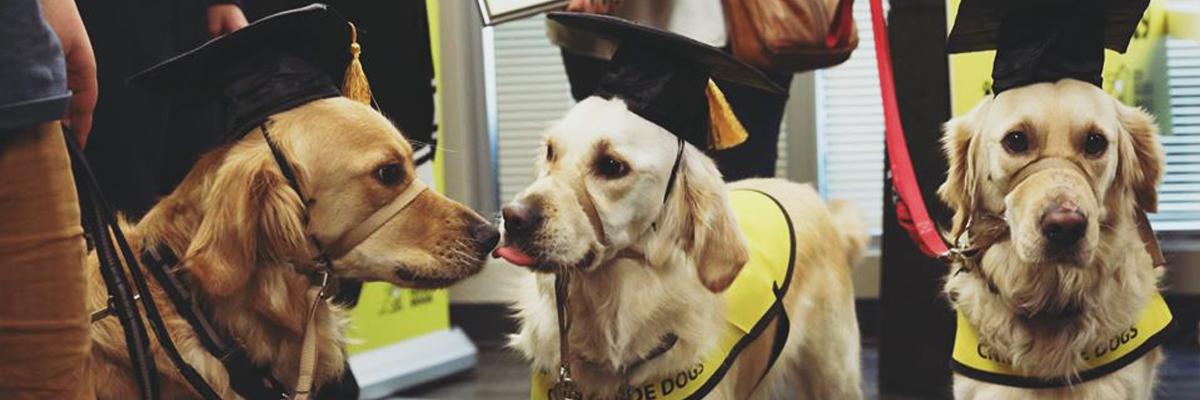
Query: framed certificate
[[500, 11]]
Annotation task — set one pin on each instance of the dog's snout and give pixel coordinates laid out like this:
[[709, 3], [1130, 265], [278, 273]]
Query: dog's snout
[[520, 218], [1063, 224], [485, 235]]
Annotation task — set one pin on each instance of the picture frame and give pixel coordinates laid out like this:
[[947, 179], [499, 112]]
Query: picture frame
[[496, 12]]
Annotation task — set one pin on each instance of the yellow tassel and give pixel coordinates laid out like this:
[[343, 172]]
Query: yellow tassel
[[354, 85], [726, 131]]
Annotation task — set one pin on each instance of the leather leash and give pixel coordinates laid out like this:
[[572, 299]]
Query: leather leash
[[102, 224], [910, 206], [565, 387]]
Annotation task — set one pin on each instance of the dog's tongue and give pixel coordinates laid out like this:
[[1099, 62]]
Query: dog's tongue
[[514, 255]]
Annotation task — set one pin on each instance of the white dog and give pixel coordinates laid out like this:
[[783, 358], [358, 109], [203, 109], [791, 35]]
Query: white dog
[[1052, 178], [647, 276]]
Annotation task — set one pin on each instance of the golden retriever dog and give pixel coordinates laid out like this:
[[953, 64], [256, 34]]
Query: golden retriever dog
[[242, 236], [1063, 168], [643, 269]]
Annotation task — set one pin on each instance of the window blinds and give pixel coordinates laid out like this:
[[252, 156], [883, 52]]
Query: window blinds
[[850, 128]]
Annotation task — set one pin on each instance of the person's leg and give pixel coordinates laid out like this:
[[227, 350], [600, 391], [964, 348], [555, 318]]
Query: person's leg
[[761, 113], [44, 329], [583, 72]]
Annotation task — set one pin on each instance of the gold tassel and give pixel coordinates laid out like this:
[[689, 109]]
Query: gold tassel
[[355, 86], [726, 131]]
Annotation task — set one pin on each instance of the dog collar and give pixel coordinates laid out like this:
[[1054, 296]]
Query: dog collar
[[771, 236], [976, 360]]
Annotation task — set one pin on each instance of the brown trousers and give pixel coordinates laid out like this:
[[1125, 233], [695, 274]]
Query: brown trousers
[[44, 328]]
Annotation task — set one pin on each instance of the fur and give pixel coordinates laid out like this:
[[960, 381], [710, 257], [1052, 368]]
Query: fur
[[645, 282], [1048, 309]]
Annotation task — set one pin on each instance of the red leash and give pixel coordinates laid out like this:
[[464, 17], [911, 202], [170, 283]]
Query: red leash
[[910, 207]]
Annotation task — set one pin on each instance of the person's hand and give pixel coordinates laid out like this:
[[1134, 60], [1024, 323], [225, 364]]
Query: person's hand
[[63, 18], [594, 6], [225, 18]]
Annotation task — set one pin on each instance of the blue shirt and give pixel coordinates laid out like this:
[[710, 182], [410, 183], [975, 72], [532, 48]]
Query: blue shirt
[[33, 73]]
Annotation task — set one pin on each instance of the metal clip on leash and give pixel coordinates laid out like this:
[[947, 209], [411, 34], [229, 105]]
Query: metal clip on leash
[[565, 388]]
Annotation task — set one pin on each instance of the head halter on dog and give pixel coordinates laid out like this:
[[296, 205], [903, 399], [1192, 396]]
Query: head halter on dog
[[1038, 41], [273, 65]]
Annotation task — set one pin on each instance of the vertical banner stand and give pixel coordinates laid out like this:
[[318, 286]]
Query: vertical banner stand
[[401, 338]]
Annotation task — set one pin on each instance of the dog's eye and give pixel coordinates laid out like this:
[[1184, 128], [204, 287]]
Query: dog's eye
[[549, 152], [610, 167], [1095, 144], [390, 174], [1016, 142]]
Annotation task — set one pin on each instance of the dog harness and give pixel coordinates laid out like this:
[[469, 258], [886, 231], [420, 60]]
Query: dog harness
[[976, 359], [751, 307]]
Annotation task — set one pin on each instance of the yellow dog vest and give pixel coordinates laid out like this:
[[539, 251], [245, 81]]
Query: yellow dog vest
[[975, 360], [752, 302]]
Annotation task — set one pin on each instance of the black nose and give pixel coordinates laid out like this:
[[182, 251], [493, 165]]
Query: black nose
[[486, 235], [520, 218], [1063, 225]]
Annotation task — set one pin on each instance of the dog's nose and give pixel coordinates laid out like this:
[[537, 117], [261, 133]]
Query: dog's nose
[[1063, 224], [486, 235], [519, 218]]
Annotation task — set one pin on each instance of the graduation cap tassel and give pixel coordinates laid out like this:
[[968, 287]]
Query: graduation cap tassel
[[355, 86], [726, 131]]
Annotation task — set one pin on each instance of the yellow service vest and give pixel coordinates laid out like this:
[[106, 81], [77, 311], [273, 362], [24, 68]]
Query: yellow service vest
[[752, 302], [975, 360]]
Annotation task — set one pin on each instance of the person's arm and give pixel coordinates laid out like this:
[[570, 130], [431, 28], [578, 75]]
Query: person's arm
[[225, 16], [63, 18]]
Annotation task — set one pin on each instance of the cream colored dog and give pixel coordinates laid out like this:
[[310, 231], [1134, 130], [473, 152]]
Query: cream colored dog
[[599, 191], [1073, 270], [241, 233]]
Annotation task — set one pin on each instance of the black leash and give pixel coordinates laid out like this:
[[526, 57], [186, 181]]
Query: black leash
[[121, 300], [102, 222]]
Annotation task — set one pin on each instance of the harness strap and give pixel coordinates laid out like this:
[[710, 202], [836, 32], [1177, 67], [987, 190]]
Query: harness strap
[[308, 353], [674, 171], [667, 343], [246, 378]]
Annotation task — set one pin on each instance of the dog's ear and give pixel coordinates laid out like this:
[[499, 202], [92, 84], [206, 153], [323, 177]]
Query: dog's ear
[[710, 231], [250, 216], [1140, 166], [960, 185]]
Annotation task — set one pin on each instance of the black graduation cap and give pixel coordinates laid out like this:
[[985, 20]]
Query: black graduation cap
[[277, 63], [664, 78], [1045, 40]]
